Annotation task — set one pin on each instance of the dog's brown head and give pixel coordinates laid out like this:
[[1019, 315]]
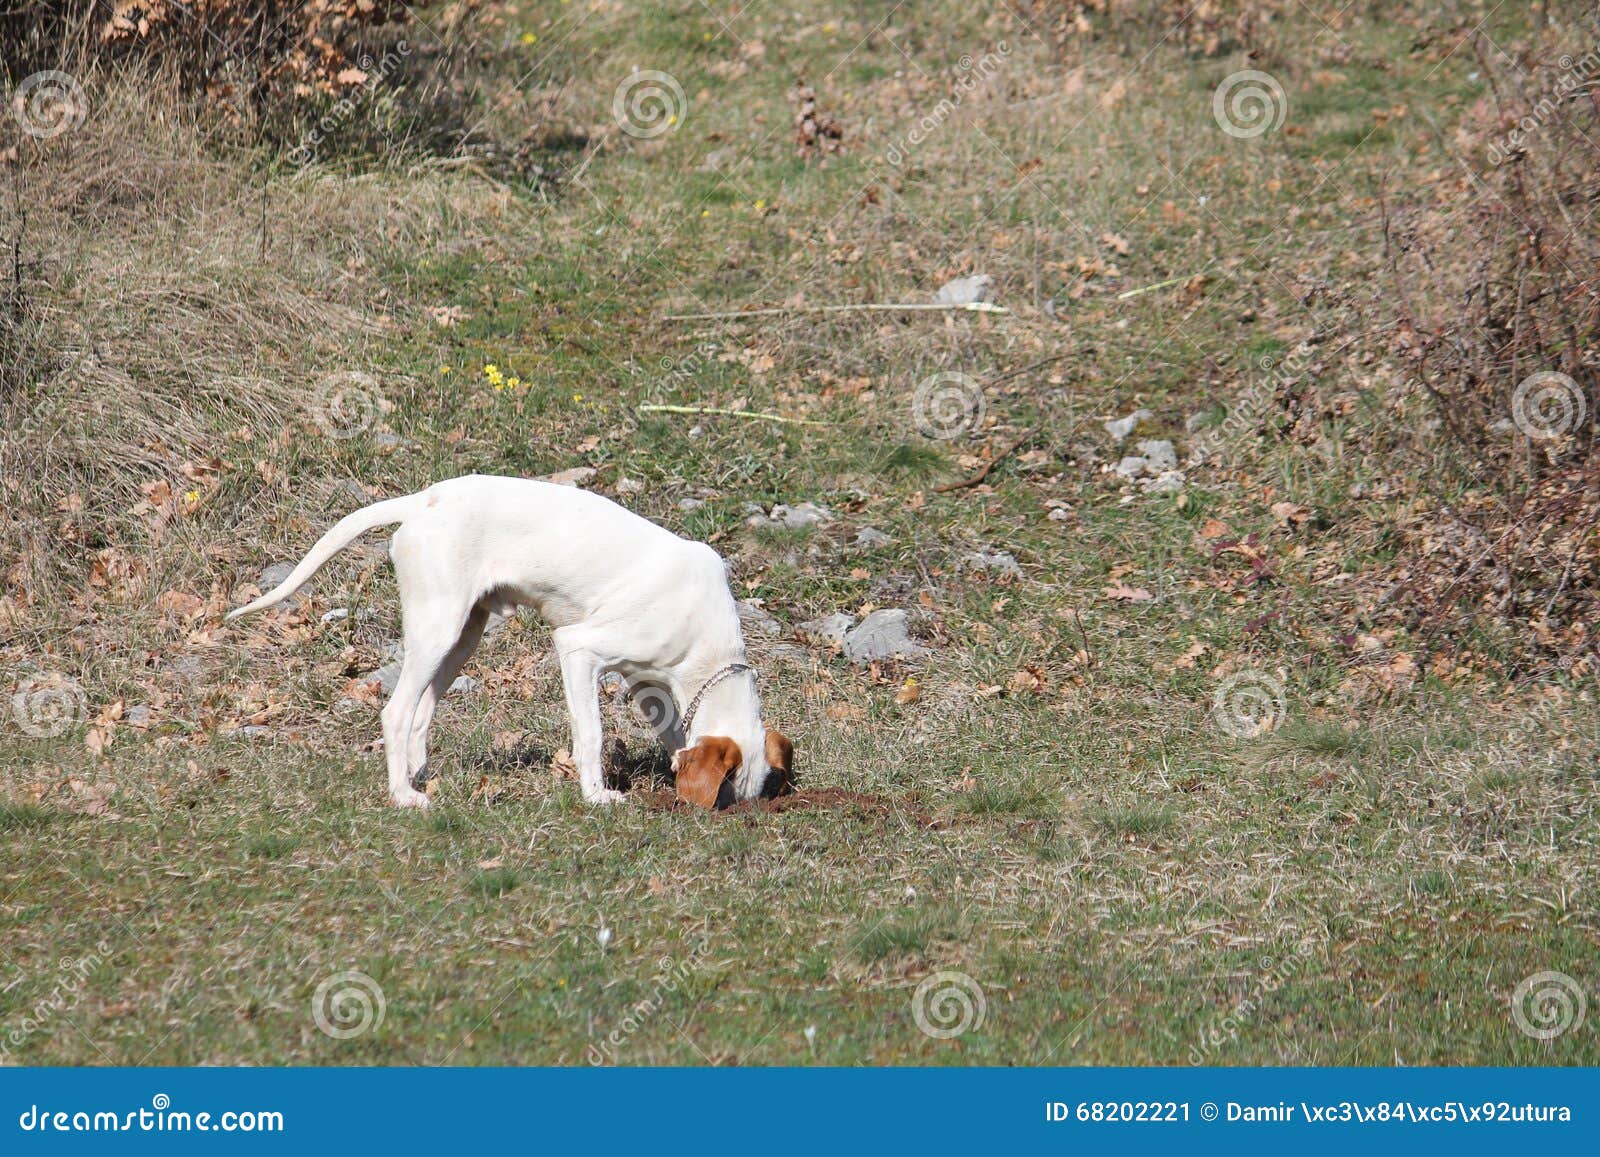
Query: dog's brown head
[[706, 772]]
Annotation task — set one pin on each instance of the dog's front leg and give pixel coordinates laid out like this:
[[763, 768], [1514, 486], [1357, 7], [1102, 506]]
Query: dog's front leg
[[580, 673]]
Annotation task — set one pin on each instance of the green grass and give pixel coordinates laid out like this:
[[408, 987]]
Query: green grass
[[1094, 852]]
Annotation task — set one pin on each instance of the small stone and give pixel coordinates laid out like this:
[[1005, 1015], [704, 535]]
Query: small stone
[[1131, 467], [274, 575], [965, 290], [387, 677], [831, 629], [465, 684], [251, 731], [870, 538], [688, 504], [1001, 562], [629, 486], [1167, 482], [1120, 428], [187, 666], [1160, 455], [137, 715], [1059, 514], [801, 514], [756, 621], [884, 634], [337, 615]]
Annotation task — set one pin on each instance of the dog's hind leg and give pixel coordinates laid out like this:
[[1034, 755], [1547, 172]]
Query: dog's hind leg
[[417, 752], [432, 629]]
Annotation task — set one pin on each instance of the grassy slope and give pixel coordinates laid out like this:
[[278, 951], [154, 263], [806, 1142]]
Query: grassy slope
[[1114, 871]]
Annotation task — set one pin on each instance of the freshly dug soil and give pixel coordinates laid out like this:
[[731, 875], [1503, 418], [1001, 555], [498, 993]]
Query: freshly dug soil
[[866, 806]]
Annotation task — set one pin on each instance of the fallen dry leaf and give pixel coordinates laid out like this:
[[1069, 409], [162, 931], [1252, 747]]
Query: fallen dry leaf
[[1129, 594]]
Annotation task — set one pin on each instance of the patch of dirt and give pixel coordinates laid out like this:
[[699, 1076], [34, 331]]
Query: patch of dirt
[[867, 807]]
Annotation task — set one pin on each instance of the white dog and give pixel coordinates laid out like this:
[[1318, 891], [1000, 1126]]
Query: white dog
[[623, 594]]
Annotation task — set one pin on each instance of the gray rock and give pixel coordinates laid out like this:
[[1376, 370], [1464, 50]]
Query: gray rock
[[688, 504], [629, 486], [251, 731], [387, 676], [801, 514], [1131, 466], [966, 290], [272, 575], [883, 634], [756, 621], [831, 629], [465, 684], [1120, 428], [338, 614], [1159, 455], [1167, 482], [137, 715], [187, 666], [393, 652], [870, 538], [495, 624], [1001, 562]]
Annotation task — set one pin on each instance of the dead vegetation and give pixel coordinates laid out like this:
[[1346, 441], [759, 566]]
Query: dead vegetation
[[1494, 271]]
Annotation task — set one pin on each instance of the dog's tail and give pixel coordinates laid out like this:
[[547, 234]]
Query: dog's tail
[[344, 532]]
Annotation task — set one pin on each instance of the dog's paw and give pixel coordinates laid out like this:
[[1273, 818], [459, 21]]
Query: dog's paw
[[410, 798], [603, 796]]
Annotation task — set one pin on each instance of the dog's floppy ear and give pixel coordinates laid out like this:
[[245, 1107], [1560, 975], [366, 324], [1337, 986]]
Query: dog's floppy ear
[[703, 771], [780, 757]]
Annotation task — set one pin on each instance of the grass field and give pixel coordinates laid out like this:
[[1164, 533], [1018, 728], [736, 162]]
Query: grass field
[[1162, 793]]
